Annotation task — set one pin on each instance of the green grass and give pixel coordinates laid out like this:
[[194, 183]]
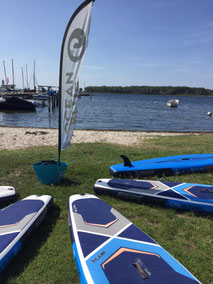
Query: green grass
[[47, 255]]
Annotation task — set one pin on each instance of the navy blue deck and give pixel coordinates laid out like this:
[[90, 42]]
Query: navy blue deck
[[89, 242], [17, 211], [157, 270], [95, 205], [5, 240], [126, 184], [132, 232], [202, 192]]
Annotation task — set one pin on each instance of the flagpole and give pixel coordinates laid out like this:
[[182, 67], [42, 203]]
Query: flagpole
[[22, 77], [59, 115], [59, 132], [13, 75]]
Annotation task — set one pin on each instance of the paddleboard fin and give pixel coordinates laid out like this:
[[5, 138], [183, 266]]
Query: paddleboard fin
[[126, 160], [140, 269]]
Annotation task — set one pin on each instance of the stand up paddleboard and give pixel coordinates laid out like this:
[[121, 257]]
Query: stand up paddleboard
[[17, 221], [108, 248], [186, 196], [183, 164], [7, 193]]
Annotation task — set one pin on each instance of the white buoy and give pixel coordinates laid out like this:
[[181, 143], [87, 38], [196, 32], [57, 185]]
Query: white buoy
[[209, 113]]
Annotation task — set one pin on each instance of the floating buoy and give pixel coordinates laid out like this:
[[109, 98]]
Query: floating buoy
[[156, 102], [209, 113]]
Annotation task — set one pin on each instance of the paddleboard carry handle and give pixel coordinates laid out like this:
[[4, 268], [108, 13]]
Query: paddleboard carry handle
[[206, 190], [127, 162], [140, 269]]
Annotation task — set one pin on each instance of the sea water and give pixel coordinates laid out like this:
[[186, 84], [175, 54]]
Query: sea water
[[126, 112]]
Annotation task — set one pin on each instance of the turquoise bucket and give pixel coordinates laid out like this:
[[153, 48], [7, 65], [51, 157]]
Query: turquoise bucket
[[47, 171]]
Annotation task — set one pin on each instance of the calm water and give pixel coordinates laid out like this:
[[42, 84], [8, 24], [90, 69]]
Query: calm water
[[126, 112]]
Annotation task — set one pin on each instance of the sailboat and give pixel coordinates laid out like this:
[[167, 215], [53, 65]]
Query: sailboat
[[74, 46]]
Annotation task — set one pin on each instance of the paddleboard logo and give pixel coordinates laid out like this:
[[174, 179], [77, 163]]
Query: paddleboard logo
[[146, 172], [76, 45], [129, 195], [98, 257]]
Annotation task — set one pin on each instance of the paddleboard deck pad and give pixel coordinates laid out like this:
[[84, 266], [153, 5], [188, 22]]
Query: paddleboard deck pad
[[182, 164], [185, 196], [17, 221], [108, 248], [7, 193]]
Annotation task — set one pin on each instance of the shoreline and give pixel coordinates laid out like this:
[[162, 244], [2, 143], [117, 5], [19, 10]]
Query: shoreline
[[13, 138]]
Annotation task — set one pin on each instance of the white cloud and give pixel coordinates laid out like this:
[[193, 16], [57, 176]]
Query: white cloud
[[151, 65], [93, 67]]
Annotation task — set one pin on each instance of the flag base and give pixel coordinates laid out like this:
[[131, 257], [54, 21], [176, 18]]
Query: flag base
[[47, 171]]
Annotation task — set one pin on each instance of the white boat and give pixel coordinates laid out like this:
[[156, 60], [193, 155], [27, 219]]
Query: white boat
[[38, 103], [173, 103], [2, 100]]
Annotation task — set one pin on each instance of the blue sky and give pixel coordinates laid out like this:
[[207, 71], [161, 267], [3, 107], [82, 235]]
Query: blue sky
[[137, 42]]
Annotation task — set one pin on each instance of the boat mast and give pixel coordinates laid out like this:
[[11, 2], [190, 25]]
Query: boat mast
[[22, 77], [5, 75], [34, 83], [13, 75], [27, 77]]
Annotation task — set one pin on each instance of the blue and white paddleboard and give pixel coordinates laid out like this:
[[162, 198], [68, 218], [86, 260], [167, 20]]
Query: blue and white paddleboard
[[17, 221], [108, 248], [186, 196], [182, 164], [7, 193]]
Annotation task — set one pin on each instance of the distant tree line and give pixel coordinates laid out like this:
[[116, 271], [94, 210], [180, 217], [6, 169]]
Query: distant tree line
[[158, 90]]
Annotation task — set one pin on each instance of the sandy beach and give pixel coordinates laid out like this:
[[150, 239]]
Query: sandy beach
[[12, 138]]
